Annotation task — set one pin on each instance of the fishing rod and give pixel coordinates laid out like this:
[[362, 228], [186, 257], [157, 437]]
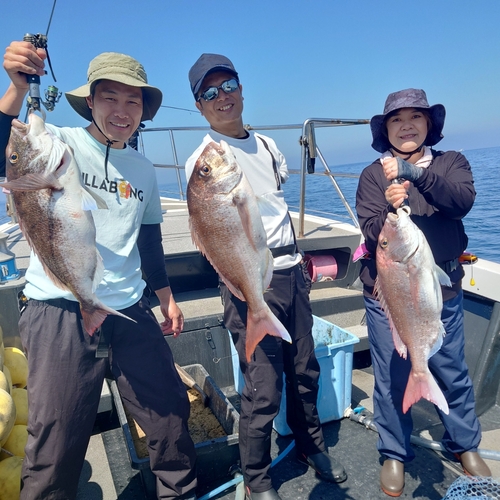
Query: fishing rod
[[52, 94]]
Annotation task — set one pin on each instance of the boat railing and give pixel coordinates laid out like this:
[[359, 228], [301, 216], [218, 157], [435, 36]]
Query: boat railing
[[310, 152]]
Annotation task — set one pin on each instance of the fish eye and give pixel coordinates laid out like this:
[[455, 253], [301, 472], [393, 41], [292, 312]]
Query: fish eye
[[205, 170], [14, 157], [384, 243]]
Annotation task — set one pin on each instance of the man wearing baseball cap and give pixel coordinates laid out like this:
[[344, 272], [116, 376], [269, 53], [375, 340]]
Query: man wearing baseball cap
[[218, 93], [66, 364]]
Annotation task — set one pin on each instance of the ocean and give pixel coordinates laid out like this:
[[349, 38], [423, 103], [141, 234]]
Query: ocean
[[482, 224]]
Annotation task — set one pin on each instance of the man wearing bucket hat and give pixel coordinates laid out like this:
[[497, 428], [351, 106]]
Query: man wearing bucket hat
[[439, 189], [218, 93], [64, 389]]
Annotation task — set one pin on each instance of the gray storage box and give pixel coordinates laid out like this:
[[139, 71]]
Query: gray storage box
[[215, 457]]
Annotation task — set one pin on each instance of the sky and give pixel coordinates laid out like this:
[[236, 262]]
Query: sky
[[297, 59]]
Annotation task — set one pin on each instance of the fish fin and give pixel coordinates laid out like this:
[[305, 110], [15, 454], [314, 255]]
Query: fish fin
[[262, 324], [377, 293], [57, 282], [398, 343], [424, 386], [267, 273], [235, 291], [439, 341], [99, 272], [94, 316], [33, 182], [443, 278], [91, 200], [246, 219]]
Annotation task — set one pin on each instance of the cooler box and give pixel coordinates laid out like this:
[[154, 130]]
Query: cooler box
[[334, 349]]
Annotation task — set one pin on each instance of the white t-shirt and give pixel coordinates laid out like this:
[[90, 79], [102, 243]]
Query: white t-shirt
[[132, 197], [257, 164]]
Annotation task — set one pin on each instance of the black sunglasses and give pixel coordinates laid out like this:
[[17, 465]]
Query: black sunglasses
[[229, 86]]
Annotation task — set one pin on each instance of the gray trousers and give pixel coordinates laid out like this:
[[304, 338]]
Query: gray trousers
[[64, 387]]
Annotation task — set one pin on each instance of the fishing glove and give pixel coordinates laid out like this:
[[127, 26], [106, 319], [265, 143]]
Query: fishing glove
[[408, 171]]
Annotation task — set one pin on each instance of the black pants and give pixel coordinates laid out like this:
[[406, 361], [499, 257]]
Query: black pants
[[64, 387], [288, 299]]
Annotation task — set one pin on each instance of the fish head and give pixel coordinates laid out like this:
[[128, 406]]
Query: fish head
[[215, 171], [32, 149], [400, 238]]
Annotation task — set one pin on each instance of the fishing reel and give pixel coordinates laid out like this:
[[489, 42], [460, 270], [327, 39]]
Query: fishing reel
[[52, 94]]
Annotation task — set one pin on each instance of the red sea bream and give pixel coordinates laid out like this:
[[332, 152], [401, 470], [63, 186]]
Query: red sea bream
[[54, 214], [226, 226], [409, 291]]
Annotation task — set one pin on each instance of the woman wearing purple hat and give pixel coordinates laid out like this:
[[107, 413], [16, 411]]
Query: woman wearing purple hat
[[439, 189]]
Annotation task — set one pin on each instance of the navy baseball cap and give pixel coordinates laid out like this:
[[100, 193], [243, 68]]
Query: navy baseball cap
[[208, 63]]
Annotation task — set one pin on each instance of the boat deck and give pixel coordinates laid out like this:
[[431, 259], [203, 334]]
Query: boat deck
[[107, 473], [428, 477]]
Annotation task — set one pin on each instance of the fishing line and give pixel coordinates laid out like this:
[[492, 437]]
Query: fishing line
[[180, 109]]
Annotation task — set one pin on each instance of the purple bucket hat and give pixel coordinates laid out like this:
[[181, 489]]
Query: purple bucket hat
[[409, 98]]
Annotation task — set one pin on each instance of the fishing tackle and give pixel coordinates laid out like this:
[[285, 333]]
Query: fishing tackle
[[52, 93]]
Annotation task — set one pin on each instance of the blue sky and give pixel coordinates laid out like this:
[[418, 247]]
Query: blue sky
[[297, 59]]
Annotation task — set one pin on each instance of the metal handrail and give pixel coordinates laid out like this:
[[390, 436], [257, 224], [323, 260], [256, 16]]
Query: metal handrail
[[309, 151]]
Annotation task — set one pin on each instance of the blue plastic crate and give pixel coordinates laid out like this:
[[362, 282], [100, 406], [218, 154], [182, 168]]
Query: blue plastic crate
[[334, 348]]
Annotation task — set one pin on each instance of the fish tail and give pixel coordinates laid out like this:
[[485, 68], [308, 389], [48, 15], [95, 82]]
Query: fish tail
[[262, 324], [94, 317], [424, 386]]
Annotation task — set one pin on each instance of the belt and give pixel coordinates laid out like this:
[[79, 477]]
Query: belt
[[286, 250], [449, 266]]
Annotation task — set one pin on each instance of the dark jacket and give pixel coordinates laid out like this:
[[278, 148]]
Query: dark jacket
[[5, 121], [439, 200]]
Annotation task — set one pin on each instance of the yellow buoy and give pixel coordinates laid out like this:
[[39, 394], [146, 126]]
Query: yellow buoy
[[16, 442], [4, 382], [10, 478], [17, 363], [6, 372], [2, 354], [7, 415], [20, 397]]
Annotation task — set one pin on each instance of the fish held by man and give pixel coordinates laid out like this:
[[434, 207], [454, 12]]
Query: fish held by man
[[226, 226], [408, 288], [54, 215]]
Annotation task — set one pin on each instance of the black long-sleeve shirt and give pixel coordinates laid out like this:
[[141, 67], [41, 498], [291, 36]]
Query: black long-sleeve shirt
[[5, 121]]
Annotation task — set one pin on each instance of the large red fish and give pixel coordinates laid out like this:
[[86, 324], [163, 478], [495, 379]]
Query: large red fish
[[54, 214], [227, 227], [409, 291]]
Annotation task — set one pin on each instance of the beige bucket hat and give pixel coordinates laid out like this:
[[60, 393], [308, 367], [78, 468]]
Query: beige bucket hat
[[118, 68]]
